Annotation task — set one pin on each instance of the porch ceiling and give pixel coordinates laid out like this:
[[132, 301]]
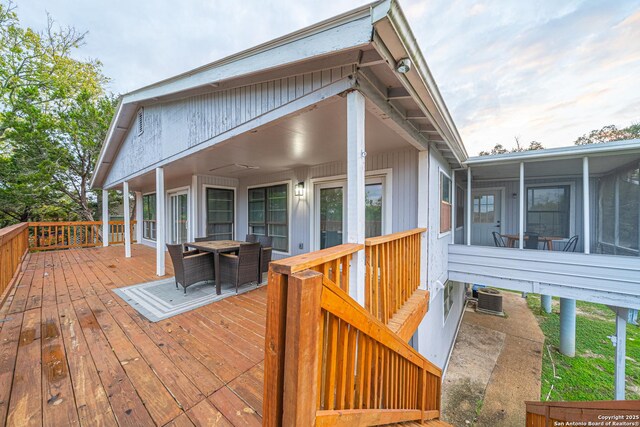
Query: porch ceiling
[[309, 138], [598, 165]]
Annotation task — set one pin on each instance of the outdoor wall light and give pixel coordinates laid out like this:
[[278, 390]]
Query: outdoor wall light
[[403, 65], [300, 189], [514, 195]]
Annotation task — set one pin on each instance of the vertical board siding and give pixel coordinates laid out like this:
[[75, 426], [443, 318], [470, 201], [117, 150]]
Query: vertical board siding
[[404, 166], [172, 127]]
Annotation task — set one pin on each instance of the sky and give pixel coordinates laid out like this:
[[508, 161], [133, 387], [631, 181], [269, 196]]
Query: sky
[[548, 71]]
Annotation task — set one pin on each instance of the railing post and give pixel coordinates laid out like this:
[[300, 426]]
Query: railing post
[[274, 349], [301, 356]]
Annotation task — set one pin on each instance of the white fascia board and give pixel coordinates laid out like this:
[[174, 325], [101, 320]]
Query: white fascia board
[[574, 151], [105, 144], [389, 12], [341, 33]]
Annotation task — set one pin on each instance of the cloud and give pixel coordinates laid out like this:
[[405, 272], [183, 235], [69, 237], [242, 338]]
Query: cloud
[[544, 70]]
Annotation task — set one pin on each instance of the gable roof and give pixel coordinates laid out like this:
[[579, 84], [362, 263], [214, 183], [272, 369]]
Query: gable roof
[[380, 24]]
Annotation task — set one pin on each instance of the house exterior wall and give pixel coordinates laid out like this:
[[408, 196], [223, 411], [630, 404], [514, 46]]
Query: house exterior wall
[[173, 127]]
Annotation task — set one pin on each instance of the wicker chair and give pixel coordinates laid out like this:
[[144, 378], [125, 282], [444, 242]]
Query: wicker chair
[[242, 268], [265, 253], [190, 267]]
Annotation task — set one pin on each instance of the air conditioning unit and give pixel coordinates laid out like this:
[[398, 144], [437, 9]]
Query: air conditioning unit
[[490, 301]]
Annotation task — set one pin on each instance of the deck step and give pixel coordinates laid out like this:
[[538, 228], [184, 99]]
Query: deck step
[[406, 320]]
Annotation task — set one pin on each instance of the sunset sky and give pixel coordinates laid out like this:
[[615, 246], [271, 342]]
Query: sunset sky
[[548, 71]]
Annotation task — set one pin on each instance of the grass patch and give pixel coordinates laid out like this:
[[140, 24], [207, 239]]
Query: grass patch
[[589, 375]]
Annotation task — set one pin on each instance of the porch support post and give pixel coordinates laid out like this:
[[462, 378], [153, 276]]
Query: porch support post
[[621, 349], [105, 218], [355, 188], [160, 222], [521, 231], [193, 209], [585, 206], [127, 220], [568, 327], [545, 301], [469, 206], [423, 212], [453, 206], [139, 217]]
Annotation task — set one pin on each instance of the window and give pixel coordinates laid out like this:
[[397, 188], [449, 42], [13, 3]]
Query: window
[[140, 121], [484, 209], [220, 213], [445, 203], [149, 216], [548, 210], [268, 214], [447, 298], [459, 207]]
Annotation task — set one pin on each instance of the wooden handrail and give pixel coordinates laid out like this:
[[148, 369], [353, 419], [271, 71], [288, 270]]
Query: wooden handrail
[[392, 272], [116, 231], [14, 244], [52, 235], [328, 361]]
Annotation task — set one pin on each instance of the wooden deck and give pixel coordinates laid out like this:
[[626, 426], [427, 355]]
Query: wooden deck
[[74, 353]]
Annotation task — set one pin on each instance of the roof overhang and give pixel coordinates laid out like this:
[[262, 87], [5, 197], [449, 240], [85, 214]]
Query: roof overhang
[[334, 42]]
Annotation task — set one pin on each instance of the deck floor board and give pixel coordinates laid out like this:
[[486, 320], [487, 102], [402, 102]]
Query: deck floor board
[[73, 353]]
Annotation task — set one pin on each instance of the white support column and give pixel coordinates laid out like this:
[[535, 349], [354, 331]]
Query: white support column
[[161, 227], [105, 218], [585, 207], [453, 207], [469, 206], [621, 351], [521, 213], [423, 213], [127, 220], [355, 188], [193, 209], [139, 217]]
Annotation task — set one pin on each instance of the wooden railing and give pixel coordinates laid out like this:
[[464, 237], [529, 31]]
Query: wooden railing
[[328, 361], [116, 231], [392, 271], [14, 244], [543, 414]]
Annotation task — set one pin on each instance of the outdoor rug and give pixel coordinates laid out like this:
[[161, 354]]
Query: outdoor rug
[[160, 299]]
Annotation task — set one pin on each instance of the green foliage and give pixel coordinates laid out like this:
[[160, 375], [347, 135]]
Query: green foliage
[[589, 375], [54, 115], [500, 149], [609, 133]]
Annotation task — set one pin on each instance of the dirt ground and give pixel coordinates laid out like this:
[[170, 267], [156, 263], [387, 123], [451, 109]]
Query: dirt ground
[[495, 366]]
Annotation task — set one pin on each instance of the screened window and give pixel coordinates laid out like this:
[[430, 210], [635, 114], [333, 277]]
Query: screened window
[[149, 216], [459, 207], [619, 200], [268, 214], [548, 210], [220, 213], [445, 203], [448, 298]]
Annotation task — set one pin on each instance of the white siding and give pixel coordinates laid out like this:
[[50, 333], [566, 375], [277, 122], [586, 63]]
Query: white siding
[[173, 127]]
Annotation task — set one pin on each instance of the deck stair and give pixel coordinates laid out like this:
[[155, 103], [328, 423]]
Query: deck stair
[[330, 361]]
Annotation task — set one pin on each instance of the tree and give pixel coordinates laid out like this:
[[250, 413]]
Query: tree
[[500, 149], [609, 133], [54, 115]]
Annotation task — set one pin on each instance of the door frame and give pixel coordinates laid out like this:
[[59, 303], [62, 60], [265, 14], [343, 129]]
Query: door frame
[[387, 205], [167, 211], [503, 207]]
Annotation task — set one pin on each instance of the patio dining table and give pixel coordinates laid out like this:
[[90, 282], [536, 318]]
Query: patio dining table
[[547, 240], [216, 247]]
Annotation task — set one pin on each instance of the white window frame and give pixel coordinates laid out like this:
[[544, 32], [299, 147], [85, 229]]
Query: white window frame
[[289, 184], [444, 172], [203, 208], [447, 312], [145, 240], [387, 205], [572, 203], [167, 210]]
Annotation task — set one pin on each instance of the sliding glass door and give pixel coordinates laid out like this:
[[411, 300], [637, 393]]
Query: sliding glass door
[[178, 217]]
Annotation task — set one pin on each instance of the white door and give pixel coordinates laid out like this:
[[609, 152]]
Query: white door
[[486, 216], [331, 214], [331, 211], [178, 217]]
